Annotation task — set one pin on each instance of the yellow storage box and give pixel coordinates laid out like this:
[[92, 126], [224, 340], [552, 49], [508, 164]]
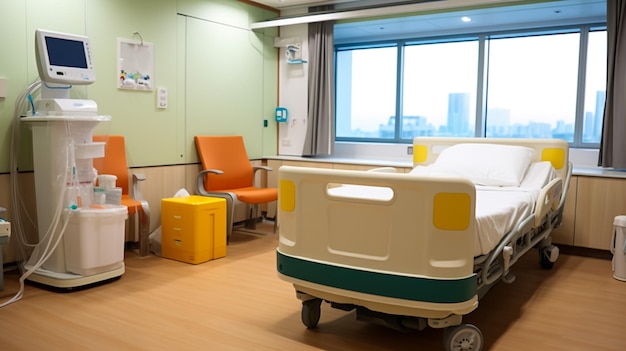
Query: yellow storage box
[[193, 228]]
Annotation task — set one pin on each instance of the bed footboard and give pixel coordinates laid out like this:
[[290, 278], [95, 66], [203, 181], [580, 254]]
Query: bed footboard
[[386, 241]]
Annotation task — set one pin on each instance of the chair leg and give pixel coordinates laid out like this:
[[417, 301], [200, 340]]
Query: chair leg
[[144, 229], [253, 216], [230, 212], [230, 209]]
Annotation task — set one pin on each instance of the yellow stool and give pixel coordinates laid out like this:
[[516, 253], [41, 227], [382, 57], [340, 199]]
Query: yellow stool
[[193, 228]]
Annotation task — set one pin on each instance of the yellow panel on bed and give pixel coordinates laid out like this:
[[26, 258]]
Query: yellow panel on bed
[[420, 153], [287, 195], [555, 155], [452, 211]]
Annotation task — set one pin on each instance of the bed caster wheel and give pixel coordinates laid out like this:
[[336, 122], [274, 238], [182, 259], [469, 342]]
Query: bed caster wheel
[[311, 312], [464, 337], [547, 256]]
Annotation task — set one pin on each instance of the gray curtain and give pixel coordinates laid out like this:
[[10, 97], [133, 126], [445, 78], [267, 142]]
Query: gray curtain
[[321, 110], [613, 142]]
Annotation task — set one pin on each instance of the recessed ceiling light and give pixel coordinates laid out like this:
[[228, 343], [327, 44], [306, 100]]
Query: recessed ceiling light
[[466, 19]]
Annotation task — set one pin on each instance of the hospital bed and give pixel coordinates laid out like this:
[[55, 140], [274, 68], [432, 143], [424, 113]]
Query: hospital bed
[[421, 248]]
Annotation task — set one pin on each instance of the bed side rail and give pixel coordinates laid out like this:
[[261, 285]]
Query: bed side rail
[[548, 200], [532, 231]]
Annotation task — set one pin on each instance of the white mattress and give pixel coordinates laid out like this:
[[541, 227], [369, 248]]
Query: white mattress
[[498, 209]]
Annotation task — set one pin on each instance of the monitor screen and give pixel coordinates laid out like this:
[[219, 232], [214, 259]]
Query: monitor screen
[[64, 58], [66, 53]]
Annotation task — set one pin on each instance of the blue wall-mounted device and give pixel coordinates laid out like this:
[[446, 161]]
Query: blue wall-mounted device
[[281, 114]]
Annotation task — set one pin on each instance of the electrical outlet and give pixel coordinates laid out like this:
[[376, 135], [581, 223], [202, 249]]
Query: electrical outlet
[[162, 98], [409, 150]]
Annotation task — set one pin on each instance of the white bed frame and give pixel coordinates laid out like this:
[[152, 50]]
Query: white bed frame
[[408, 259]]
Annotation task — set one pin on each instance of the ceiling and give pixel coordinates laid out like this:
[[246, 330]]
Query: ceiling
[[288, 4], [561, 12]]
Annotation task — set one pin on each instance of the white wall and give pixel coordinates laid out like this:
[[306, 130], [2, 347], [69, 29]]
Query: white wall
[[293, 93]]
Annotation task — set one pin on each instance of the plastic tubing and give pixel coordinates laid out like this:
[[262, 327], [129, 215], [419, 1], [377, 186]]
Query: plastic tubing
[[19, 208], [23, 101]]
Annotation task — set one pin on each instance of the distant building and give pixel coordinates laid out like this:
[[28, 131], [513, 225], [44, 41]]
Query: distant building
[[498, 122], [589, 132], [458, 113], [562, 131], [599, 114], [412, 126]]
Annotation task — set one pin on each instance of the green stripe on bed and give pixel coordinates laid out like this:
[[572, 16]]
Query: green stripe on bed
[[375, 283]]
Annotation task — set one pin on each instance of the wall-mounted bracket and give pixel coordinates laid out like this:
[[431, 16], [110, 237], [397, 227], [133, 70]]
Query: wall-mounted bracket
[[292, 49]]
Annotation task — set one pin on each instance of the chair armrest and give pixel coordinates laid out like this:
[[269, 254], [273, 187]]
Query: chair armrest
[[200, 180], [136, 178], [144, 213], [262, 168]]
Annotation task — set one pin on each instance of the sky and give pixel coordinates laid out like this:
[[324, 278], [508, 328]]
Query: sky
[[533, 77]]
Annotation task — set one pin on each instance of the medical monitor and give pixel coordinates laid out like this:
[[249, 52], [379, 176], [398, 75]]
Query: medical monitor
[[64, 58]]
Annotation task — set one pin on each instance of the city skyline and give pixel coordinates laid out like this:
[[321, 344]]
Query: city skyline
[[498, 124]]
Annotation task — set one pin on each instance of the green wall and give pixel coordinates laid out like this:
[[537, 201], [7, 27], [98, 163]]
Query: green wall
[[221, 77]]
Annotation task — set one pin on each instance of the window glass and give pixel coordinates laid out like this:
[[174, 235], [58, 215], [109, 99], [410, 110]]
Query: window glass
[[527, 88], [531, 86], [595, 87], [366, 91], [439, 89]]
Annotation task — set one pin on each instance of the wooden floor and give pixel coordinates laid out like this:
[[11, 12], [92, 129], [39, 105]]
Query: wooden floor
[[238, 303]]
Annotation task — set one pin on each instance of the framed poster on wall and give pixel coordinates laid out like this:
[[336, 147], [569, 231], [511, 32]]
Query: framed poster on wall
[[135, 65]]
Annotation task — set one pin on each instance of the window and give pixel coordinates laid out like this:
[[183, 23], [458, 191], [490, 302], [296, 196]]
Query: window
[[439, 89], [532, 83], [502, 84], [595, 87], [367, 90]]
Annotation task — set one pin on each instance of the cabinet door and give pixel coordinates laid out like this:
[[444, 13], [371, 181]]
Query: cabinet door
[[598, 201], [565, 233]]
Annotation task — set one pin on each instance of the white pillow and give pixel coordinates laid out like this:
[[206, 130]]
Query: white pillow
[[485, 164]]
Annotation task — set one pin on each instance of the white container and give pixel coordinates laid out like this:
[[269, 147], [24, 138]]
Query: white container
[[89, 150], [99, 196], [107, 181], [113, 196], [94, 239], [618, 248]]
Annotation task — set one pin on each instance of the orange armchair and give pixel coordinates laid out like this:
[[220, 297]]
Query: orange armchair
[[114, 162], [228, 173]]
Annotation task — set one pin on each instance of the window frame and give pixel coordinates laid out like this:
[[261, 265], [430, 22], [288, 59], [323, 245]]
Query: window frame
[[481, 89]]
